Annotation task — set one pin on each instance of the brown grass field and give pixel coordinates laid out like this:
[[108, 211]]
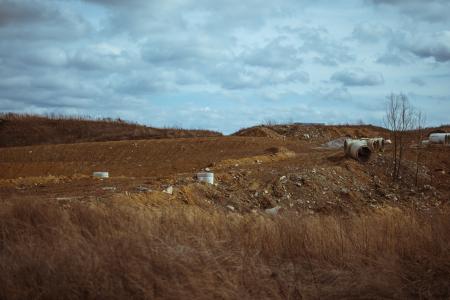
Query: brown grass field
[[139, 248], [344, 229], [28, 129]]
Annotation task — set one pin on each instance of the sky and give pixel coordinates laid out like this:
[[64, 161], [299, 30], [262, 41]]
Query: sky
[[225, 65]]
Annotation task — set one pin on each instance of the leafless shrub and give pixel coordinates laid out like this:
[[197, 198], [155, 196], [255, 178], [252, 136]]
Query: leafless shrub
[[400, 118]]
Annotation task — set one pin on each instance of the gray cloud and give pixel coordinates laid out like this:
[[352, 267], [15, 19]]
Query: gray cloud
[[100, 57], [181, 51], [358, 78], [417, 81], [38, 20], [274, 55], [20, 12], [436, 45], [430, 11], [234, 76], [319, 43], [371, 32], [394, 59]]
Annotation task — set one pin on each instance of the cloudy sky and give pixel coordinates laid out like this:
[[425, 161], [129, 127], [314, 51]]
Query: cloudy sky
[[224, 65]]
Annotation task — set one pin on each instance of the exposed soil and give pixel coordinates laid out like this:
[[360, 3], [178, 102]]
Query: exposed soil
[[252, 173]]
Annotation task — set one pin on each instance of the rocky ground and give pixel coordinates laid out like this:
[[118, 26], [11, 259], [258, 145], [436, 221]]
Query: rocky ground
[[252, 174]]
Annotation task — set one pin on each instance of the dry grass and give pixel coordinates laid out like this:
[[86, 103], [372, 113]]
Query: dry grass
[[29, 129], [139, 248]]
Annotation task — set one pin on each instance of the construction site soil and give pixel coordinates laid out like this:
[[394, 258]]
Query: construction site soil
[[282, 167]]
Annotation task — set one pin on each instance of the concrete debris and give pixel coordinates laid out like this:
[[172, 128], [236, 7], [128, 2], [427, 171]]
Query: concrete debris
[[207, 177], [143, 189], [109, 188], [67, 198], [169, 190], [345, 191], [273, 210], [231, 207], [100, 174]]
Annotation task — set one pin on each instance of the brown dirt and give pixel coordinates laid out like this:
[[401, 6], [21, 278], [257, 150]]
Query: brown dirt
[[313, 134], [259, 131], [252, 173]]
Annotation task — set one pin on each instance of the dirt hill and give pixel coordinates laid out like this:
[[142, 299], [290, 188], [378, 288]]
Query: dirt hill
[[312, 133], [25, 130]]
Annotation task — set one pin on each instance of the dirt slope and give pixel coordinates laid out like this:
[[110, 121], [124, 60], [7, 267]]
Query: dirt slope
[[25, 130], [130, 158], [313, 133]]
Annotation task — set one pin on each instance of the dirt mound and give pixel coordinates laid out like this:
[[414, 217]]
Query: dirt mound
[[259, 131], [25, 130], [314, 133]]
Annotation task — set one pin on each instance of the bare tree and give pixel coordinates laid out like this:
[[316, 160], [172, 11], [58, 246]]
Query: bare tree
[[420, 126], [400, 118]]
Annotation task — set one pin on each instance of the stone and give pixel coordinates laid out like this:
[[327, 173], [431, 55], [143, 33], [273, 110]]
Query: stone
[[273, 210], [169, 190], [231, 207], [143, 189]]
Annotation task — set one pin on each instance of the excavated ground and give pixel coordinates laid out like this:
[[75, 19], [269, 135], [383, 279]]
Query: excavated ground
[[253, 174]]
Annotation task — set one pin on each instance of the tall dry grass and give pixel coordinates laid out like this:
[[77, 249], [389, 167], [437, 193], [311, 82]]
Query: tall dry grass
[[28, 129], [130, 249]]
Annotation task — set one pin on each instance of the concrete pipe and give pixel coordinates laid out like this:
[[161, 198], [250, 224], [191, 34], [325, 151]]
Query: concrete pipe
[[379, 143], [375, 144], [100, 174], [372, 144], [347, 144], [359, 150], [440, 138]]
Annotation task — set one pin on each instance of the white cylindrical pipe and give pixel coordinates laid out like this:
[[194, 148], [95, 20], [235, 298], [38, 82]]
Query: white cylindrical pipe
[[207, 177], [359, 150], [347, 143], [439, 138], [100, 174]]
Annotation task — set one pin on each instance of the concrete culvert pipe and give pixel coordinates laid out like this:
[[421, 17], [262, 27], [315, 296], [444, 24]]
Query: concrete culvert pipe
[[347, 143], [206, 177], [378, 143], [439, 138], [100, 174], [374, 144], [360, 151]]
